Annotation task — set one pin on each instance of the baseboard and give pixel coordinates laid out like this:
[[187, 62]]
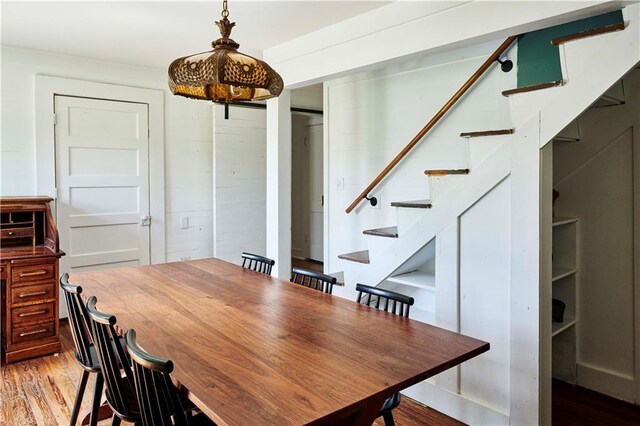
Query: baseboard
[[606, 382], [455, 405]]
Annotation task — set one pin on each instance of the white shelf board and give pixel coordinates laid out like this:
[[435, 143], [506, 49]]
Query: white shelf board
[[559, 327], [559, 272], [558, 221], [420, 279]]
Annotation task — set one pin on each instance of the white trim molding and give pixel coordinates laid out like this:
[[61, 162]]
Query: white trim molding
[[47, 87]]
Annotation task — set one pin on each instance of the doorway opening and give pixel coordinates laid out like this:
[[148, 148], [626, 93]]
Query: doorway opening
[[590, 223], [307, 180]]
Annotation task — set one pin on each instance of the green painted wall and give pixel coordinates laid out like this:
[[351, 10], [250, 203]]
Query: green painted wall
[[539, 60]]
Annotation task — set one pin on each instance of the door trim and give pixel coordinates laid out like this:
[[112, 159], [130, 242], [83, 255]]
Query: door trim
[[45, 89]]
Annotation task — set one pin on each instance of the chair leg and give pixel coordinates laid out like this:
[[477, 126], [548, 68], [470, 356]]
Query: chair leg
[[115, 420], [79, 395], [388, 419], [97, 395]]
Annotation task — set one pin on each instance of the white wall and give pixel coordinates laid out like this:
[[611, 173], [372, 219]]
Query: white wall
[[239, 192], [595, 178], [370, 117], [188, 149]]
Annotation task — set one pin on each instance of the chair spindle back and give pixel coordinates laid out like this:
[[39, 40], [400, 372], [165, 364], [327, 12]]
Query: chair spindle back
[[79, 320], [158, 399], [112, 360], [314, 280], [257, 263], [400, 304]]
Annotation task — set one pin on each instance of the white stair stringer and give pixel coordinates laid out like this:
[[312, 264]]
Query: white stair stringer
[[481, 180], [590, 66]]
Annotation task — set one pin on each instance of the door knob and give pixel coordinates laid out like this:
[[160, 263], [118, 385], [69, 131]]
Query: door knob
[[145, 220]]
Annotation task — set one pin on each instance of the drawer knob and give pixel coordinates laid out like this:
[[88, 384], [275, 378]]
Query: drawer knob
[[10, 233], [34, 293], [33, 273], [28, 314], [30, 333]]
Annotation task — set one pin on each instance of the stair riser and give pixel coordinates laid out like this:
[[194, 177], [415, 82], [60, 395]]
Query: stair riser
[[408, 217], [377, 245], [440, 186], [481, 149]]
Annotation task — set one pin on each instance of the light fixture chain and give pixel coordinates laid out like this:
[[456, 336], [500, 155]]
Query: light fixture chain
[[225, 11]]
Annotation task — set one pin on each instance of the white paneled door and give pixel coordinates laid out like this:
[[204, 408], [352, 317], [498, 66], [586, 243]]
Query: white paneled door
[[316, 192], [102, 176]]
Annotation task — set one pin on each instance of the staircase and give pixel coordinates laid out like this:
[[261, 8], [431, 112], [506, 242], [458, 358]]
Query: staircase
[[401, 256]]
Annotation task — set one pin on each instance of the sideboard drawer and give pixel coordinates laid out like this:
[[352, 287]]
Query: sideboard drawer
[[32, 293], [33, 332], [33, 313], [26, 274]]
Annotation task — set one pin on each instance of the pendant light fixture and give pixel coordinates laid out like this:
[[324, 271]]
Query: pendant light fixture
[[224, 74]]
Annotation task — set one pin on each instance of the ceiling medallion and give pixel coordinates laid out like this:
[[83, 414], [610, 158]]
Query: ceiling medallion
[[224, 74]]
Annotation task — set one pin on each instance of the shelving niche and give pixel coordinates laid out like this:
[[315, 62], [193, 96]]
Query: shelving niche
[[565, 276]]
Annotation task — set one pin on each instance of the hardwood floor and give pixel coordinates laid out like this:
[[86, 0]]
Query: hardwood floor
[[311, 265], [578, 406], [42, 391]]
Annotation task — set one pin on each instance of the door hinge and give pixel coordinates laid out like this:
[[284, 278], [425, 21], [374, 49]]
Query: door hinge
[[55, 119]]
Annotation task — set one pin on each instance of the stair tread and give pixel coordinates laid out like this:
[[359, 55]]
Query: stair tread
[[445, 172], [533, 87], [357, 256], [588, 33], [487, 133], [389, 231], [416, 204]]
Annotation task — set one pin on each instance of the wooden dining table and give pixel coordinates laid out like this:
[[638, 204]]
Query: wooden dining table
[[251, 349]]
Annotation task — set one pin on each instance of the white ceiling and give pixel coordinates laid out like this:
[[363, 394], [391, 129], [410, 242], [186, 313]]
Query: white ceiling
[[155, 33]]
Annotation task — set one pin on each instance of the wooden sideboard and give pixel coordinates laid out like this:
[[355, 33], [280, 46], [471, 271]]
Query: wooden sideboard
[[29, 254]]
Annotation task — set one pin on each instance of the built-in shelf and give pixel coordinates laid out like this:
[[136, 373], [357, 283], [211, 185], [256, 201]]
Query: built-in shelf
[[558, 221], [420, 279], [559, 272], [564, 277], [559, 327]]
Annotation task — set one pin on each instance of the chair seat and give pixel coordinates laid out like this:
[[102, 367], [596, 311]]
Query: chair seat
[[95, 364], [392, 402]]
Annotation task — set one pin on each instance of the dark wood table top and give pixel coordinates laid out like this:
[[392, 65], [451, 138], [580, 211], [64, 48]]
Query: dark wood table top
[[252, 349]]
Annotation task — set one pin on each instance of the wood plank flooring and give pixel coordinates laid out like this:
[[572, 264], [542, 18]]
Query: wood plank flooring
[[311, 265], [573, 405]]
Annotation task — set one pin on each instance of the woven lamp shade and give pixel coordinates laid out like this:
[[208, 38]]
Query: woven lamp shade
[[224, 74]]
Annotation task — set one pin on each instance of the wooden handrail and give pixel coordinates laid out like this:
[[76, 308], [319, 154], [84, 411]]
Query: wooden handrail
[[450, 103]]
